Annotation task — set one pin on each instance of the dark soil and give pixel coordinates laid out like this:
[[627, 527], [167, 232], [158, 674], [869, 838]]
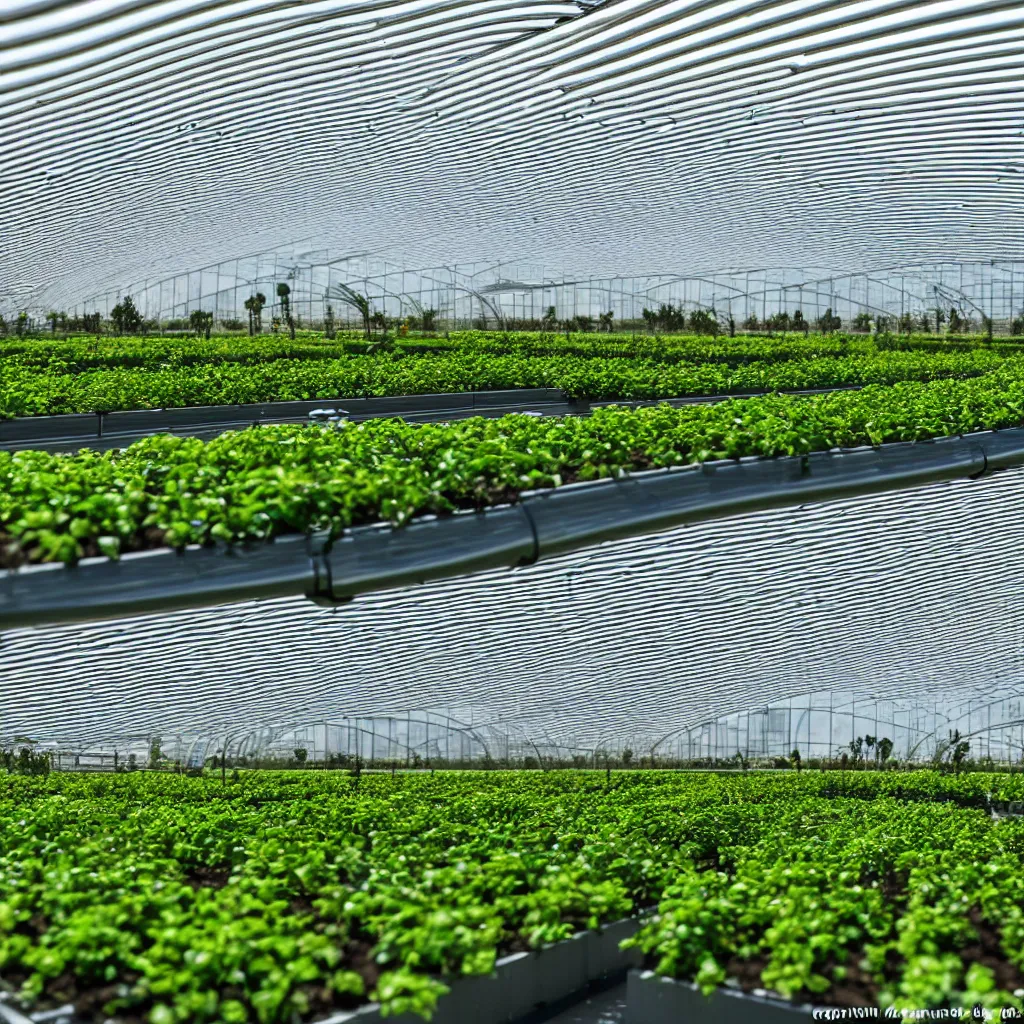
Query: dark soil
[[12, 555], [988, 952], [859, 989], [202, 877]]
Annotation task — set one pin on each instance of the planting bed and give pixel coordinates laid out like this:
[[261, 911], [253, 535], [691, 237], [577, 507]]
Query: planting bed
[[50, 379], [524, 988], [257, 484], [275, 895]]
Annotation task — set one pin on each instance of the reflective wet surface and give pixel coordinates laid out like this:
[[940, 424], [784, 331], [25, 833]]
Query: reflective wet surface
[[604, 1008]]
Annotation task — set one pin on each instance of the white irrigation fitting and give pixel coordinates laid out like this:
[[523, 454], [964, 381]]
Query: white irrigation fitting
[[542, 524], [651, 999]]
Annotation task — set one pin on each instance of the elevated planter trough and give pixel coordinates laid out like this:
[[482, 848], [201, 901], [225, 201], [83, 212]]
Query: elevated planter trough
[[652, 999], [524, 988]]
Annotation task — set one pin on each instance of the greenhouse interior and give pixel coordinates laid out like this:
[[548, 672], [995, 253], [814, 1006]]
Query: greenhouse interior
[[511, 511]]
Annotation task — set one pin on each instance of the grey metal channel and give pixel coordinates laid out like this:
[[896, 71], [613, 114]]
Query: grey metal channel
[[106, 431], [543, 523]]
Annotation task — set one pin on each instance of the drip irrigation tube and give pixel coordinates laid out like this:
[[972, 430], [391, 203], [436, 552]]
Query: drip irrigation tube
[[542, 524]]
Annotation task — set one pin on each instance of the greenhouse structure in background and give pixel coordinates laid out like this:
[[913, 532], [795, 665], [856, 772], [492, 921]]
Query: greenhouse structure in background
[[495, 294], [818, 726]]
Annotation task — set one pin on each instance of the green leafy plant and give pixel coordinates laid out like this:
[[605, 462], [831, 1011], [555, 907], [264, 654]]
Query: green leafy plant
[[166, 897]]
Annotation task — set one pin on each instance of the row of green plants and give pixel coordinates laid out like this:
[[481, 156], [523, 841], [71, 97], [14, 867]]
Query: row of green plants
[[272, 897], [735, 351], [259, 483], [79, 353], [25, 391]]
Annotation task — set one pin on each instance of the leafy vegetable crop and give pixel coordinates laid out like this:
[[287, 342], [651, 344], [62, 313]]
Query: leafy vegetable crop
[[267, 481], [173, 899], [27, 389], [75, 354]]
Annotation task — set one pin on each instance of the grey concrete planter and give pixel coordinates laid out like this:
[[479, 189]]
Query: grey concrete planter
[[651, 999], [525, 983], [522, 986]]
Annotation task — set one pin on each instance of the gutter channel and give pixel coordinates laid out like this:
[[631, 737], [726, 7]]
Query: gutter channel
[[541, 524]]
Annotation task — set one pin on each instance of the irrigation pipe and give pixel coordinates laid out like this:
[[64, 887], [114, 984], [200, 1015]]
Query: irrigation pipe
[[542, 524]]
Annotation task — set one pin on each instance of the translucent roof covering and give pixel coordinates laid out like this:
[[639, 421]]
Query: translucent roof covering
[[143, 139], [909, 600]]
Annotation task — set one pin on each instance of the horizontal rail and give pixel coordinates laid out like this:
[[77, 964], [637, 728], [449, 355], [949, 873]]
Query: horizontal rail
[[104, 431], [541, 524]]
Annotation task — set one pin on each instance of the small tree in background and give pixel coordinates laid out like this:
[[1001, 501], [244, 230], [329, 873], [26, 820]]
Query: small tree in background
[[284, 293], [357, 301], [795, 758], [125, 317], [606, 321], [703, 321], [799, 323], [380, 321], [1017, 326], [829, 323], [549, 321], [883, 751], [862, 322], [627, 757], [53, 318], [301, 754], [201, 323], [254, 307], [959, 748], [329, 322], [672, 319]]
